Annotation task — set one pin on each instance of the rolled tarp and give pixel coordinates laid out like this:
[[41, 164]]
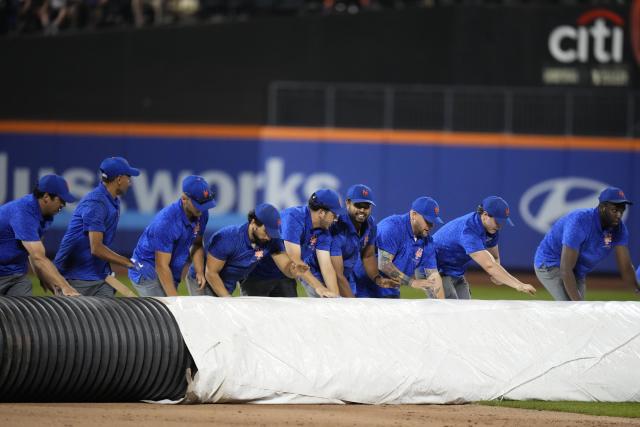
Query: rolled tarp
[[303, 350], [88, 349]]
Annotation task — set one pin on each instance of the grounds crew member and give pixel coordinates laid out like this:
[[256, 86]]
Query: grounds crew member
[[173, 236], [84, 254], [353, 240], [23, 223], [406, 253], [233, 251], [305, 231], [474, 237], [578, 241]]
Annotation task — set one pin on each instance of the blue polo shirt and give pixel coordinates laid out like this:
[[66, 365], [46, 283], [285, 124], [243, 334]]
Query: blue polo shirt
[[97, 211], [582, 231], [346, 242], [394, 235], [296, 228], [459, 238], [20, 221], [231, 244], [170, 232]]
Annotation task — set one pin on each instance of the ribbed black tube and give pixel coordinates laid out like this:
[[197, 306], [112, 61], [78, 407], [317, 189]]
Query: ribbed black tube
[[88, 349]]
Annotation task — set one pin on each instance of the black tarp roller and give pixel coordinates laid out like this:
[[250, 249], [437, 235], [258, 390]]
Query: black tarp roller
[[89, 349]]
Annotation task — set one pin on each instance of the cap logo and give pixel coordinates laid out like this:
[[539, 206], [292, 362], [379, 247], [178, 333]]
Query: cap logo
[[365, 192], [205, 193], [506, 211], [436, 210], [621, 194]]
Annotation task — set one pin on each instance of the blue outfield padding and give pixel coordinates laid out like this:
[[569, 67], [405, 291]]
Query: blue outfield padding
[[540, 184]]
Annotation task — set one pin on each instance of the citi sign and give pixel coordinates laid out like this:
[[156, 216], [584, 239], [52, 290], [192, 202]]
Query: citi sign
[[599, 34]]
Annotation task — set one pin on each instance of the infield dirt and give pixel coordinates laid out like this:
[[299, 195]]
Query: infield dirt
[[143, 415]]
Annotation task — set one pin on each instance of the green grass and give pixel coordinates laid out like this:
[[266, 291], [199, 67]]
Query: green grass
[[485, 292], [628, 410], [493, 292]]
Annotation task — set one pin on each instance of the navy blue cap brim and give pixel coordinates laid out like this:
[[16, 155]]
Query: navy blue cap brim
[[68, 197], [362, 201], [273, 233], [619, 201], [339, 211], [205, 206], [502, 221], [433, 219]]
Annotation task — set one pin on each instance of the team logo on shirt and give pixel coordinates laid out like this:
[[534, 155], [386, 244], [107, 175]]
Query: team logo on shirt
[[313, 240], [418, 254], [259, 253], [607, 240]]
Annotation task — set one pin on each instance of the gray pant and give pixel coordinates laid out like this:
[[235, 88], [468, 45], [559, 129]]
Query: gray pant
[[194, 288], [149, 288], [551, 279], [92, 288], [15, 285], [269, 288], [456, 287]]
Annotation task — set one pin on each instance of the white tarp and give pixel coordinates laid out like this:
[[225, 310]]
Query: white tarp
[[303, 350]]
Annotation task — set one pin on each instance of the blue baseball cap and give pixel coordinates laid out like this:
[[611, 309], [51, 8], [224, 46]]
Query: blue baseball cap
[[613, 195], [328, 199], [270, 217], [497, 208], [199, 192], [428, 208], [360, 193], [56, 185], [112, 167]]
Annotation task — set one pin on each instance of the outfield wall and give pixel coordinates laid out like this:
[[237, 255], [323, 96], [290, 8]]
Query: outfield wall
[[541, 177]]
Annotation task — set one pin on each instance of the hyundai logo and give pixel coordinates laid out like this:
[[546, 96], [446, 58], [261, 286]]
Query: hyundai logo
[[553, 198]]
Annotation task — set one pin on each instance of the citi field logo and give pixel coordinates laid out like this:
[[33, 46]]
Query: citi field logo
[[544, 203], [598, 35]]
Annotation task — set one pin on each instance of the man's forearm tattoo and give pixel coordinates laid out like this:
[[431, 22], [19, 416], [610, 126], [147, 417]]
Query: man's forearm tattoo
[[385, 264]]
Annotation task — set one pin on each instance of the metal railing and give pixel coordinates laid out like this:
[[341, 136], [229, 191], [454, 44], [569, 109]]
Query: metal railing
[[544, 110]]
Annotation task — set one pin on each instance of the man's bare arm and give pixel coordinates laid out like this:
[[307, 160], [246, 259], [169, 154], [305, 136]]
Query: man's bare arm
[[295, 254], [568, 259], [212, 273], [100, 250], [499, 274], [343, 283], [46, 270], [164, 273], [626, 267]]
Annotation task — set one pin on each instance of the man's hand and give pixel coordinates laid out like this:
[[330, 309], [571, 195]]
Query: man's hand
[[326, 293], [67, 291], [424, 284], [386, 283], [526, 288], [298, 269], [202, 282]]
